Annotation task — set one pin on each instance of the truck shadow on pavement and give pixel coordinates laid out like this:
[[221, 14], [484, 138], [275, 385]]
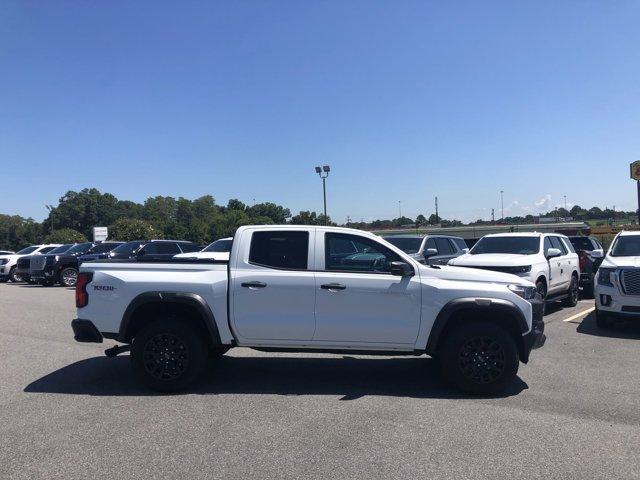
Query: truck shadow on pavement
[[626, 329], [349, 377]]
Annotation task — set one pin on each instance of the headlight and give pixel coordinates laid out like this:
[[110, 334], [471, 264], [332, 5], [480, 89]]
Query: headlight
[[528, 293], [604, 276], [4, 261], [522, 269]]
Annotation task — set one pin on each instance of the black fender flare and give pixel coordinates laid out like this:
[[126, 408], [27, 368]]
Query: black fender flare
[[473, 303], [162, 297]]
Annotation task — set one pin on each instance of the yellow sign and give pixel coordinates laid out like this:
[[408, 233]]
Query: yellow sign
[[635, 170]]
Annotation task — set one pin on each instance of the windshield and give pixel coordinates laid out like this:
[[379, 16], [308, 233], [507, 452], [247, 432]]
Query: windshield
[[127, 248], [61, 248], [219, 246], [514, 245], [27, 250], [406, 244], [581, 243], [626, 246], [80, 248]]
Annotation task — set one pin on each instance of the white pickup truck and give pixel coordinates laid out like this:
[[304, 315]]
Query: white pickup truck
[[309, 289]]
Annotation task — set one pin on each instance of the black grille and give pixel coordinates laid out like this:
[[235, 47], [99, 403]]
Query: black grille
[[631, 281], [495, 269]]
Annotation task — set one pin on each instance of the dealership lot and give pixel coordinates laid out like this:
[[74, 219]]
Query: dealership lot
[[69, 412]]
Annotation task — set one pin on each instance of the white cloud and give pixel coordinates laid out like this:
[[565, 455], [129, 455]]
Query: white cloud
[[544, 202]]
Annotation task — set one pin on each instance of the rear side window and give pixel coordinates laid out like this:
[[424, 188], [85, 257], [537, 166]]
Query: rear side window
[[189, 247], [161, 248], [284, 249], [443, 246], [46, 250]]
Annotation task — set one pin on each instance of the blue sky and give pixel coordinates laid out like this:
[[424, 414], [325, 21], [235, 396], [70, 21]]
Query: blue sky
[[405, 100]]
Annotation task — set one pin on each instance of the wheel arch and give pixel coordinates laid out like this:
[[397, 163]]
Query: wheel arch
[[146, 307], [498, 311]]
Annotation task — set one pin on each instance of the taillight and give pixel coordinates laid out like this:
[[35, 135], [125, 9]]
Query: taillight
[[82, 297], [582, 259]]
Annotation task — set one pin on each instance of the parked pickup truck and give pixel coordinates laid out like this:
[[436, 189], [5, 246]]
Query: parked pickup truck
[[293, 288]]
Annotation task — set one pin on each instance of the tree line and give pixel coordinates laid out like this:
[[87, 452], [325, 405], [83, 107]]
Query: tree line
[[202, 220]]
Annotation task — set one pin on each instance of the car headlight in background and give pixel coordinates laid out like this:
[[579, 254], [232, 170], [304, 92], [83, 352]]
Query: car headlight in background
[[521, 269], [4, 261], [604, 276], [528, 293]]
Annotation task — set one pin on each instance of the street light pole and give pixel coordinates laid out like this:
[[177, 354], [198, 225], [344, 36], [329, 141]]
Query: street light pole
[[323, 172], [400, 208], [502, 204]]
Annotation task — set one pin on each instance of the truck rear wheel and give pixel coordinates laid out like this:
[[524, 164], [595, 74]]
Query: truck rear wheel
[[168, 355], [479, 358]]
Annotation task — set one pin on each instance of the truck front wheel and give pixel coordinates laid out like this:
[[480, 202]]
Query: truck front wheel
[[479, 358], [168, 355]]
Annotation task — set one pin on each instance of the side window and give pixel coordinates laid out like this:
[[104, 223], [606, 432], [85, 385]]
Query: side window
[[430, 244], [280, 249], [556, 243], [444, 247], [568, 245], [46, 250], [189, 247], [547, 245], [460, 243], [365, 255], [161, 248]]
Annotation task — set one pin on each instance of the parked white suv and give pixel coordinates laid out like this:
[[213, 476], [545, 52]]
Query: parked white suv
[[617, 284], [8, 262], [548, 260]]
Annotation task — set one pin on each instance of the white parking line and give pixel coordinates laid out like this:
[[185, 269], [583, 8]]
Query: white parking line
[[579, 315]]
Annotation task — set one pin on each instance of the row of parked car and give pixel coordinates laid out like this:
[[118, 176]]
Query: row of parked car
[[558, 265], [52, 264]]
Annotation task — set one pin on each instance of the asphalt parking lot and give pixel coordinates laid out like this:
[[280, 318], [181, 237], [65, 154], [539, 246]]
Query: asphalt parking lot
[[67, 411]]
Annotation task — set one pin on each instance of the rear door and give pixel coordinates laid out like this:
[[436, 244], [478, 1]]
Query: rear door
[[358, 301], [273, 288], [562, 274]]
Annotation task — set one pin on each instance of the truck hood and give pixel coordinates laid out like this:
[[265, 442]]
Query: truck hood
[[620, 262], [493, 260], [465, 274]]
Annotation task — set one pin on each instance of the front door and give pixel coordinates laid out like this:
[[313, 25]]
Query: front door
[[273, 288], [358, 300], [556, 280]]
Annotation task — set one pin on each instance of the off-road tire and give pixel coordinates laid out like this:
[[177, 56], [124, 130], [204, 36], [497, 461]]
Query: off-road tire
[[464, 365], [13, 276], [168, 355]]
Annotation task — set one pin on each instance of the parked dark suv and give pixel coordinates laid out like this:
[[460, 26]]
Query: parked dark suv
[[152, 250], [99, 251], [590, 254], [59, 268], [23, 265]]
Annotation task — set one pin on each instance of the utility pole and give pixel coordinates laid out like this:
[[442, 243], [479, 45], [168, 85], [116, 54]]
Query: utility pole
[[493, 216], [437, 217], [400, 208], [502, 204], [565, 202], [348, 220]]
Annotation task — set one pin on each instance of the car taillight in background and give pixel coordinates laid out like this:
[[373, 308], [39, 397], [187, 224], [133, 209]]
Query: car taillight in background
[[582, 259], [82, 297]]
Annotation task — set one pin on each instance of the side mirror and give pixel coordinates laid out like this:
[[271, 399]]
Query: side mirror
[[599, 253], [401, 269], [553, 252], [430, 252], [465, 250]]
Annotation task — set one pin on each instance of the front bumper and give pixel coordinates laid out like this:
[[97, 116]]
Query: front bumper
[[85, 331], [49, 273], [534, 338]]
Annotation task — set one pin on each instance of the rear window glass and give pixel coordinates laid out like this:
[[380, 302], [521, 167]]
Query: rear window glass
[[219, 246], [284, 249], [154, 248], [581, 243]]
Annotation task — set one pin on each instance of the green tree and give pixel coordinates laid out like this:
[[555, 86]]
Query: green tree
[[84, 210], [65, 235], [17, 232], [277, 213], [129, 229]]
